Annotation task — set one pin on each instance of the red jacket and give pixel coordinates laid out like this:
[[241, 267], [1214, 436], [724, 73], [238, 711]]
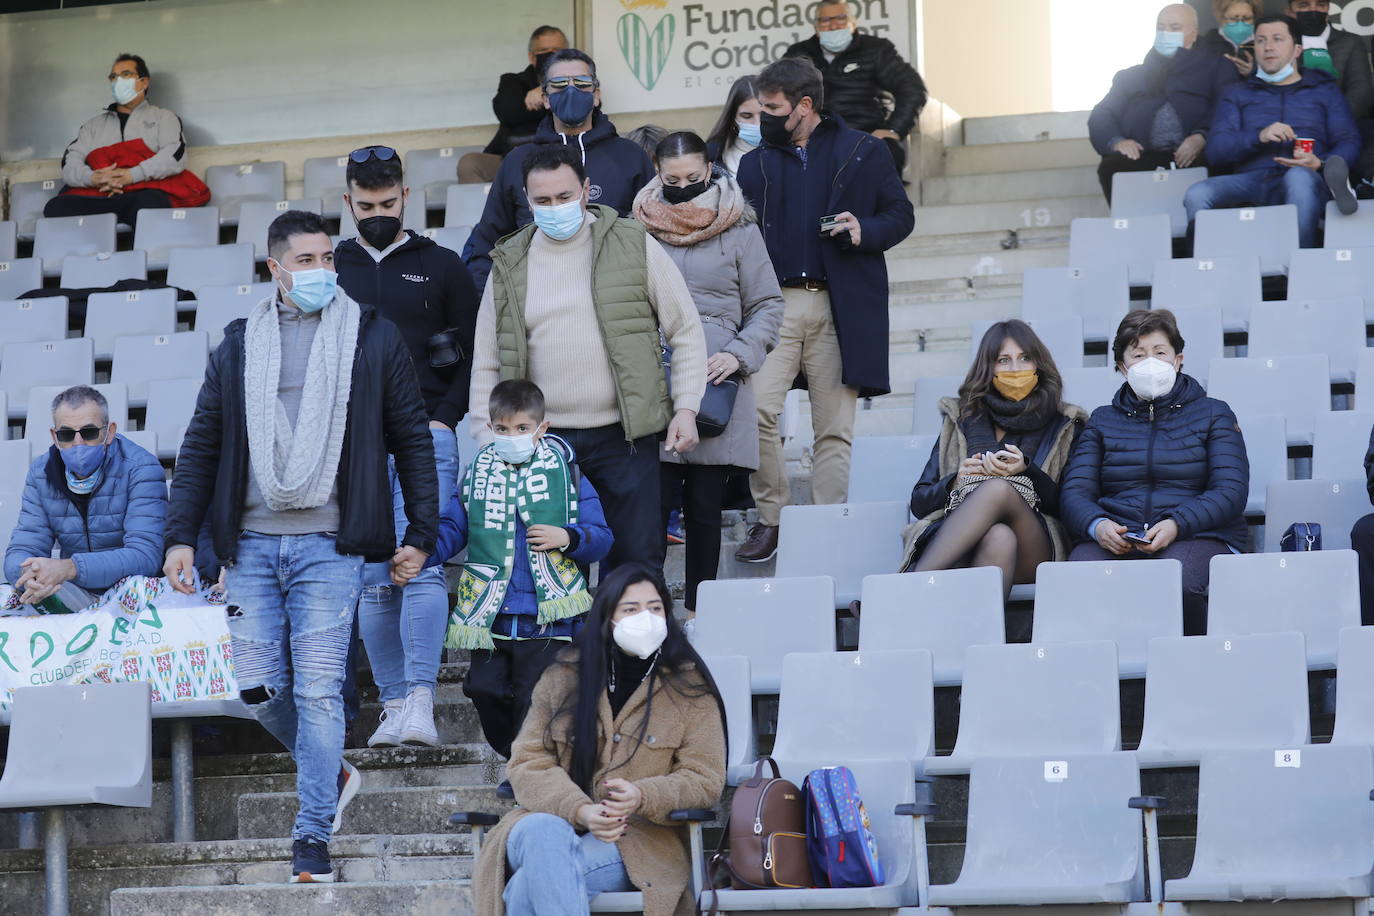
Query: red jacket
[[185, 189]]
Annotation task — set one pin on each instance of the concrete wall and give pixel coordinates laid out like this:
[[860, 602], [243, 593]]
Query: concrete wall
[[988, 58]]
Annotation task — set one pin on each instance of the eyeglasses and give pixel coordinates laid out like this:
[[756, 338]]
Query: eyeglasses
[[89, 434], [380, 153], [828, 22], [559, 83], [125, 74]]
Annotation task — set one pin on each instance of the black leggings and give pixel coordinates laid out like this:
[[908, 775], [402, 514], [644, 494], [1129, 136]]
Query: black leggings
[[993, 526], [703, 494]]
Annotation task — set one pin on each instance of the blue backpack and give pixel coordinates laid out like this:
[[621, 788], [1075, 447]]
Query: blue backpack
[[839, 839]]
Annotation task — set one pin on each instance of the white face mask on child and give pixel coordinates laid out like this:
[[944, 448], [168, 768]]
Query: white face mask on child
[[514, 449]]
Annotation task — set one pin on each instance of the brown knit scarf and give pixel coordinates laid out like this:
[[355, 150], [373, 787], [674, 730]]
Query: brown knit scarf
[[706, 216]]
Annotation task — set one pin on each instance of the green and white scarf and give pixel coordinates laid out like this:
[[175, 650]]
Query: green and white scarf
[[539, 492]]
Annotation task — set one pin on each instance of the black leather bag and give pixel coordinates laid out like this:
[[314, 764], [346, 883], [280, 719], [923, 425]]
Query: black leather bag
[[717, 404]]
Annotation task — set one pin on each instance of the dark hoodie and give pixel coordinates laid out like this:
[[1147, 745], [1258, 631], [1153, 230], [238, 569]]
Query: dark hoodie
[[617, 168], [423, 288]]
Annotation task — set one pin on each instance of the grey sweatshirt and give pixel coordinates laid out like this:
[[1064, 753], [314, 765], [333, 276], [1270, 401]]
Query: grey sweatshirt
[[160, 128]]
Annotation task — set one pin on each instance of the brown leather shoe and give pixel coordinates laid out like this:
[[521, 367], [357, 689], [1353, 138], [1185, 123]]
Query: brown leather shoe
[[760, 546]]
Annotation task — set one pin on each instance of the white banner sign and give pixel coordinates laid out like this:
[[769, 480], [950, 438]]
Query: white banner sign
[[653, 55]]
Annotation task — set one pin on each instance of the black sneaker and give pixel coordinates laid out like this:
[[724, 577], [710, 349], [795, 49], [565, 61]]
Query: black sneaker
[[310, 862], [504, 790], [1337, 174]]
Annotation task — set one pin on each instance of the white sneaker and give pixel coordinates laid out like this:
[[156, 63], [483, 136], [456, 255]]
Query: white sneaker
[[417, 721], [388, 733]]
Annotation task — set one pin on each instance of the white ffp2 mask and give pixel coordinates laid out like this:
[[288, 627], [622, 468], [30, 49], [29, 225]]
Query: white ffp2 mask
[[1151, 378], [641, 633]]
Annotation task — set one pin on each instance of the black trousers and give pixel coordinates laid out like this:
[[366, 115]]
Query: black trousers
[[125, 207], [1115, 162], [625, 475], [500, 683], [898, 154], [1362, 541], [703, 495]]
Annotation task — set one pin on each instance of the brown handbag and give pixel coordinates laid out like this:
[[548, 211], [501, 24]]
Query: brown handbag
[[767, 833]]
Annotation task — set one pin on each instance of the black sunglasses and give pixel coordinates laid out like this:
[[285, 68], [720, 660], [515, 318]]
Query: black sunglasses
[[381, 153], [91, 434]]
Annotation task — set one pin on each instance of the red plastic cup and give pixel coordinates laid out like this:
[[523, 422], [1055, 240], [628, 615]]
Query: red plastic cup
[[1305, 144]]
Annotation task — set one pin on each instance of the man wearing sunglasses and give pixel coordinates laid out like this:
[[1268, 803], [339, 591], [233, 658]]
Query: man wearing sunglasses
[[616, 167], [101, 499]]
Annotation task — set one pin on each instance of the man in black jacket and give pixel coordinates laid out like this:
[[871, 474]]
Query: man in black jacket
[[287, 455], [519, 108], [617, 168], [866, 80]]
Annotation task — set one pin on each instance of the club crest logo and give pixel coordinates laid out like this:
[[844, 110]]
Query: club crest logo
[[645, 50]]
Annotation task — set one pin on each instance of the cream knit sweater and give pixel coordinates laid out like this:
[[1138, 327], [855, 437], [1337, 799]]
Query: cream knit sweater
[[567, 357]]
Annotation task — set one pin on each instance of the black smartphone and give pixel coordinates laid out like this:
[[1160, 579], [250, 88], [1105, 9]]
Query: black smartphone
[[1137, 538], [828, 223]]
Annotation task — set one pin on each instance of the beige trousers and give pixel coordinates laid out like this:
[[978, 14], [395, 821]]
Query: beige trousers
[[478, 168], [807, 344]]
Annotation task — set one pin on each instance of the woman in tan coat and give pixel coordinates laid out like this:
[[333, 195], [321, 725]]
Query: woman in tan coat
[[624, 727]]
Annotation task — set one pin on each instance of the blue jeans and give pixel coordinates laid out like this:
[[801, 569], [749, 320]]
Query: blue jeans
[[1301, 187], [403, 628], [298, 585], [555, 871]]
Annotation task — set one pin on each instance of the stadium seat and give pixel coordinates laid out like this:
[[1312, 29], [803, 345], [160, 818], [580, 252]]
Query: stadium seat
[[1205, 693], [15, 458], [141, 359], [942, 612], [57, 237], [218, 265], [1092, 387], [1364, 378], [91, 271], [1336, 505], [1270, 232], [884, 468], [326, 181], [1035, 700], [171, 404], [255, 216], [1282, 824], [143, 438], [1333, 273], [1128, 602], [926, 418], [1355, 685], [1098, 295], [1272, 593], [159, 231], [451, 237], [1161, 191], [20, 276], [38, 416], [1339, 442], [765, 619], [30, 320], [1298, 387], [846, 542], [1050, 832], [731, 674], [1354, 231], [1203, 339], [1135, 243], [1231, 284], [138, 311], [231, 185], [1266, 446], [9, 240], [1332, 326], [27, 200], [217, 306], [464, 204], [1063, 337], [59, 362], [429, 172]]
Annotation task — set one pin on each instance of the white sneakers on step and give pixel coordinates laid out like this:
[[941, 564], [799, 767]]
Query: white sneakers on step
[[388, 733], [408, 721]]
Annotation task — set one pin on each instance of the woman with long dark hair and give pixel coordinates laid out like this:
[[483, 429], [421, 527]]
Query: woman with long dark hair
[[990, 491], [737, 129], [624, 727]]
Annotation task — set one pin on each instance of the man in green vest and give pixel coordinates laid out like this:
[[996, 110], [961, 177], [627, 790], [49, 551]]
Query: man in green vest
[[575, 303]]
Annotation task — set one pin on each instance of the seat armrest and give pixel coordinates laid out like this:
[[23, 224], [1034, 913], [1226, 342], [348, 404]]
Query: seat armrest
[[917, 809], [473, 819], [1151, 802], [691, 814]]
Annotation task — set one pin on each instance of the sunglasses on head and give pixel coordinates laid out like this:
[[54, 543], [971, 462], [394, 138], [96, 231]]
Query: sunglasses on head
[[381, 153], [89, 434], [585, 83]]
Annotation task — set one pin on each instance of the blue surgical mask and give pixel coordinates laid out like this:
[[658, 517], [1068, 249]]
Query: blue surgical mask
[[1279, 77], [124, 88], [1238, 32], [560, 221], [313, 289], [571, 106], [835, 40], [82, 462], [514, 449], [1168, 43], [750, 132]]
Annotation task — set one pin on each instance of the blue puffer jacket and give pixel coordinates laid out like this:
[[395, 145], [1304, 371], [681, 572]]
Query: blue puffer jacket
[[1191, 81], [1313, 107], [112, 533], [1140, 462]]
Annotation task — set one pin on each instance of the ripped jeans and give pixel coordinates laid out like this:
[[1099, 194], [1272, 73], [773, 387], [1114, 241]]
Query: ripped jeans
[[296, 585]]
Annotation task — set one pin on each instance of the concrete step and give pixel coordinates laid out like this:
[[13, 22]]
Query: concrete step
[[1030, 213], [422, 809], [979, 242], [455, 718], [370, 898], [921, 316], [955, 289], [1050, 125], [1013, 261], [983, 158], [996, 187]]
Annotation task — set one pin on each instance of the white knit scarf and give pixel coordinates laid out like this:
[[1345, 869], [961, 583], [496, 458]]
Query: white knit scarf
[[295, 468]]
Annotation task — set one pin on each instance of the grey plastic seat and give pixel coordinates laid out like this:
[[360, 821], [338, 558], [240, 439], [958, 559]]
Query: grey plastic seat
[[883, 468], [38, 415], [1270, 232], [15, 458], [1161, 191], [29, 320], [19, 276], [138, 311], [1205, 693], [217, 265], [1063, 337], [326, 180], [56, 237], [1332, 273], [1266, 447], [1340, 439], [1282, 824], [846, 542], [1128, 602], [1091, 387], [943, 612], [171, 404], [217, 306], [1100, 295], [1203, 330], [255, 216], [141, 359], [464, 204], [27, 200], [1137, 243], [429, 172], [1232, 284], [105, 269], [159, 231], [1298, 387], [1334, 327], [1272, 593], [1050, 829], [1364, 379], [231, 185], [731, 674], [1354, 231], [9, 240], [1336, 505], [143, 438], [54, 362], [926, 419], [1034, 699], [451, 237], [1354, 686], [765, 619]]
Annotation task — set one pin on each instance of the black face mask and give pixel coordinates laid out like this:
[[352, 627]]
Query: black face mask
[[1311, 22], [686, 192], [379, 231], [773, 129]]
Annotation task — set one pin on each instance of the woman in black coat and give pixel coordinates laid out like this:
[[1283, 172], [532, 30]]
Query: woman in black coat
[[1161, 471]]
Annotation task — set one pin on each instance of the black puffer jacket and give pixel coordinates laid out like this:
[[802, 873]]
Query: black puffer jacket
[[859, 77], [385, 414], [1140, 462]]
